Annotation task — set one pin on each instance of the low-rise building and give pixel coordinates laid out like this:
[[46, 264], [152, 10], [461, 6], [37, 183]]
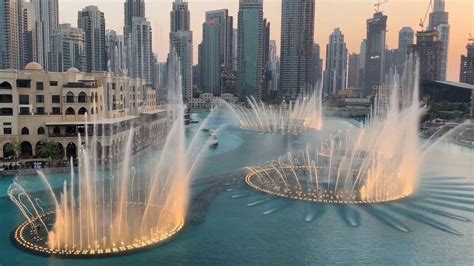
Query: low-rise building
[[38, 107]]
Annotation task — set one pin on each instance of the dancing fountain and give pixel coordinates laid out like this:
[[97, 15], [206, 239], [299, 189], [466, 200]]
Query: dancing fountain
[[300, 116], [378, 162], [97, 216]]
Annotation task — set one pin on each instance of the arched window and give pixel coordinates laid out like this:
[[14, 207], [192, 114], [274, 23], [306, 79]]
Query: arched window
[[82, 97], [26, 149], [70, 97], [5, 86], [82, 111], [41, 131], [25, 131], [70, 111]]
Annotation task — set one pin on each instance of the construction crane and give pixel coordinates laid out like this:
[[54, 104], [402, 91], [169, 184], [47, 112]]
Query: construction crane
[[423, 20], [379, 3]]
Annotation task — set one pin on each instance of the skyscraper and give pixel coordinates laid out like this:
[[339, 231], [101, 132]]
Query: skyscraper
[[10, 28], [142, 58], [225, 22], [250, 49], [210, 57], [362, 52], [375, 52], [297, 37], [439, 21], [335, 75], [69, 45], [429, 50], [406, 37], [92, 21], [318, 65], [353, 71], [181, 40], [116, 53], [47, 21], [28, 30], [132, 8], [265, 59], [467, 64]]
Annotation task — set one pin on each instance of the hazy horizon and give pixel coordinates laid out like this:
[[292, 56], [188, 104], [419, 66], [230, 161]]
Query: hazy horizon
[[349, 15]]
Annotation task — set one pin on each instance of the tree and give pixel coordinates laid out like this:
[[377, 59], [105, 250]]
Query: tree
[[12, 149], [50, 150]]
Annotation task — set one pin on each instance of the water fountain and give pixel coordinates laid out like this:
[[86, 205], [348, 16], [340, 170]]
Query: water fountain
[[97, 216], [300, 116], [377, 162]]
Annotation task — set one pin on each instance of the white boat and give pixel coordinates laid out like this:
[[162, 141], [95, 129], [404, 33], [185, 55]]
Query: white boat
[[213, 140]]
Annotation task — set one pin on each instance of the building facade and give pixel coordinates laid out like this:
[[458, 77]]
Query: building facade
[[375, 52], [116, 53], [47, 21], [92, 21], [467, 65], [210, 57], [10, 34], [353, 71], [69, 49], [28, 32], [429, 51], [335, 75], [39, 107], [250, 49], [142, 58], [181, 41], [439, 21], [297, 39]]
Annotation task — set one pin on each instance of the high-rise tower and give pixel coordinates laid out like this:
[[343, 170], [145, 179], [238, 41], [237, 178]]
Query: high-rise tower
[[375, 52], [335, 75], [10, 36], [47, 21], [250, 49], [439, 21], [297, 39], [92, 21], [181, 41]]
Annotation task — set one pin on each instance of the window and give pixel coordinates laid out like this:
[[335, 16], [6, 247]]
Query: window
[[25, 131], [70, 97], [82, 97], [7, 124], [39, 98], [70, 111], [6, 112], [7, 131], [23, 83], [5, 86], [40, 86], [53, 83], [24, 111], [40, 110], [56, 99], [24, 99], [56, 110], [6, 98], [41, 131]]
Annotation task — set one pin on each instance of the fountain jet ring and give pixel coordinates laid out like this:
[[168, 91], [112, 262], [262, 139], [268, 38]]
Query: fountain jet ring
[[301, 183], [30, 237]]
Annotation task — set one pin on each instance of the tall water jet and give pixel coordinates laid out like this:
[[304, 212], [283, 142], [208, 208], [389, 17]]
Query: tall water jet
[[93, 215], [378, 162], [299, 116]]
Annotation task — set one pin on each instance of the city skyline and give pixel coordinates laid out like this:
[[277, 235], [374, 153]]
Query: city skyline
[[355, 14]]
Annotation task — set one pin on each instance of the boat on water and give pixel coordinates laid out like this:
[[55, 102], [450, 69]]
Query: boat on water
[[213, 140]]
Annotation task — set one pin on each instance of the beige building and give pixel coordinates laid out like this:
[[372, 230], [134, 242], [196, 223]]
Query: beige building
[[38, 106]]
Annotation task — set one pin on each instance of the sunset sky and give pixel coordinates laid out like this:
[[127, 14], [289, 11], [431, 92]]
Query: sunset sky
[[349, 15]]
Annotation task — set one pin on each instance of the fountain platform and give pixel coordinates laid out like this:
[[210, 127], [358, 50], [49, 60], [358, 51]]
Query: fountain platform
[[31, 237], [272, 181]]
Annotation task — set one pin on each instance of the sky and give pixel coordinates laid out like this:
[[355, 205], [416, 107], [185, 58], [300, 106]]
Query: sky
[[349, 15]]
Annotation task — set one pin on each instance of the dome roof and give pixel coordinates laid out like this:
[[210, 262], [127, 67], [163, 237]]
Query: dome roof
[[33, 66], [73, 70]]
